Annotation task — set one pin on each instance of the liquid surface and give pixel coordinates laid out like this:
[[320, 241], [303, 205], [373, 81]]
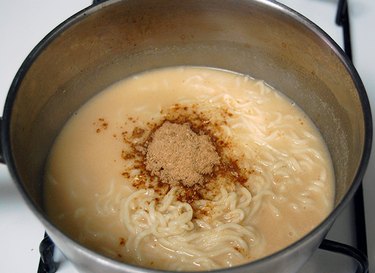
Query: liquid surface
[[274, 182]]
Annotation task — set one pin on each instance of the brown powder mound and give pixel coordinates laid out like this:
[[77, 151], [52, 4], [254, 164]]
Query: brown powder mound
[[176, 154]]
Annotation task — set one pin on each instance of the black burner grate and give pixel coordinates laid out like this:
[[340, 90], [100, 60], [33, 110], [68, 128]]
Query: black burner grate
[[359, 253], [342, 19], [46, 249]]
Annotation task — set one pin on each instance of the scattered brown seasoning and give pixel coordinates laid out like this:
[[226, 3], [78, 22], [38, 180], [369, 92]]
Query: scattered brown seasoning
[[138, 132], [186, 150], [122, 241], [101, 124]]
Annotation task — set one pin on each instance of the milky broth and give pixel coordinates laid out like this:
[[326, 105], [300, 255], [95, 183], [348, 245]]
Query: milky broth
[[97, 162]]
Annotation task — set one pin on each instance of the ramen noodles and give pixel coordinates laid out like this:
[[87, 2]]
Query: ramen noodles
[[188, 168]]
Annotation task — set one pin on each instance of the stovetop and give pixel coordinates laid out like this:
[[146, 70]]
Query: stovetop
[[24, 23]]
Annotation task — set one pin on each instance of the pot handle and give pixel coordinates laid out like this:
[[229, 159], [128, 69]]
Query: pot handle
[[347, 250], [95, 2]]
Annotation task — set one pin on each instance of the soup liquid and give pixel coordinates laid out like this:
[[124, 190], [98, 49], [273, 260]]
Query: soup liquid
[[91, 171]]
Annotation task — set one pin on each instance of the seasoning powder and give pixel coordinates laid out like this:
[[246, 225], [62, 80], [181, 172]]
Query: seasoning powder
[[178, 155]]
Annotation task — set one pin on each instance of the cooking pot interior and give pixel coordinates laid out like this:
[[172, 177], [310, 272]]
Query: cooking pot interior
[[107, 43]]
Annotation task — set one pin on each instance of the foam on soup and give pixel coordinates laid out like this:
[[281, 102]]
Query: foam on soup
[[271, 180]]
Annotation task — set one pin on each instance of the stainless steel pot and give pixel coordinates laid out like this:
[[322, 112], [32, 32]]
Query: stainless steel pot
[[108, 42]]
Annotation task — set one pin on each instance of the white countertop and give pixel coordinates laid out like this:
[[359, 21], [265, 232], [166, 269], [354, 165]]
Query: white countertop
[[23, 23]]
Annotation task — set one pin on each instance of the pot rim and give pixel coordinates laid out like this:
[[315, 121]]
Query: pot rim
[[327, 222]]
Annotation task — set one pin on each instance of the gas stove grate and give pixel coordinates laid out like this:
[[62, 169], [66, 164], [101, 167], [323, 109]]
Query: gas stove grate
[[342, 19], [358, 253]]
